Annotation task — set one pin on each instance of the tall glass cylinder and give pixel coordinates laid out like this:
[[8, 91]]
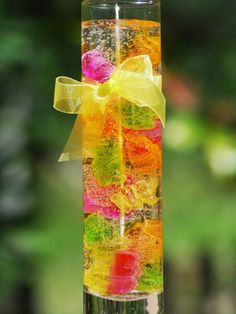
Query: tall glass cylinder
[[122, 164]]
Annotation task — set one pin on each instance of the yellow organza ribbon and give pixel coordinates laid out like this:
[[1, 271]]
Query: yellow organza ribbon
[[132, 80]]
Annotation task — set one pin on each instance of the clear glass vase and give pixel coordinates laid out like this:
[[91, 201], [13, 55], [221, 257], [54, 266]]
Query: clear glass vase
[[122, 165]]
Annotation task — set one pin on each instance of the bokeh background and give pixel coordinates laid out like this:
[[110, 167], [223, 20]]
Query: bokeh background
[[40, 215]]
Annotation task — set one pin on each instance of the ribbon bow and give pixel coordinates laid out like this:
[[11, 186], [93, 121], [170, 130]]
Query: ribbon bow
[[133, 80]]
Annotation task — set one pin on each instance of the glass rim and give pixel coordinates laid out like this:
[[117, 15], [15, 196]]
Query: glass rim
[[107, 3]]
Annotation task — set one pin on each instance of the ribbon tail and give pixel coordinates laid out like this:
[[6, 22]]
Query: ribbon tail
[[73, 148], [159, 107]]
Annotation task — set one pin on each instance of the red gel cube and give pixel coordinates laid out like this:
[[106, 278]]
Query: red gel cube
[[124, 272]]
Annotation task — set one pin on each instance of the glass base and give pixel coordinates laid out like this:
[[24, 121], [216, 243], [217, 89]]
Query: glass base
[[149, 304]]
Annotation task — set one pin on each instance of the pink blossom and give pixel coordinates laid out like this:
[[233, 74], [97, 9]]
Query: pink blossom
[[96, 67]]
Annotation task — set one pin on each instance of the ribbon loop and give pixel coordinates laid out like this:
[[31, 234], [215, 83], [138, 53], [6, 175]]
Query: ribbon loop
[[140, 64], [74, 97]]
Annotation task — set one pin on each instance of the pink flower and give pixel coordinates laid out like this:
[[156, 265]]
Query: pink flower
[[96, 67]]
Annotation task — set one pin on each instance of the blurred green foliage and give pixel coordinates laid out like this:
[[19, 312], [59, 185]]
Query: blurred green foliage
[[40, 216]]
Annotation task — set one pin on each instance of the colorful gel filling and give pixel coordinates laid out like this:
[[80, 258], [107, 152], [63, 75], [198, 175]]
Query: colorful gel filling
[[92, 128], [97, 228], [97, 198], [154, 134], [138, 118], [151, 279], [111, 127], [89, 206], [96, 276], [107, 163], [135, 196], [143, 155], [121, 170], [146, 238]]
